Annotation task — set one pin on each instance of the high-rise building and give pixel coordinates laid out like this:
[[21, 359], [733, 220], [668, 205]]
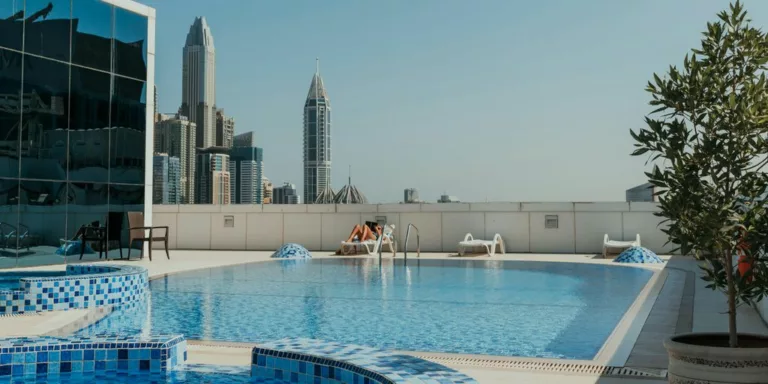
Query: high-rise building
[[448, 199], [245, 173], [286, 194], [317, 139], [268, 190], [225, 129], [166, 179], [643, 192], [198, 85], [175, 135], [411, 196], [212, 179], [247, 139]]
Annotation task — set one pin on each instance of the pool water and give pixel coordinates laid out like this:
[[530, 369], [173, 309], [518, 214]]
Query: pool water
[[212, 374], [505, 308], [11, 280]]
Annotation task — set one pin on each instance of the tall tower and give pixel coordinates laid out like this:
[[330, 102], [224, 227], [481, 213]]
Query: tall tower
[[317, 139], [198, 90]]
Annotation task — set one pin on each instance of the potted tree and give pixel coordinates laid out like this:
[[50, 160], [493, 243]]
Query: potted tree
[[707, 139]]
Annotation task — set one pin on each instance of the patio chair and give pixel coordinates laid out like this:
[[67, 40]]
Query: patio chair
[[622, 245], [372, 246], [139, 232], [490, 245]]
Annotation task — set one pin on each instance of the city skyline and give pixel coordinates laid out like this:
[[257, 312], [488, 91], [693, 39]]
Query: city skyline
[[439, 103]]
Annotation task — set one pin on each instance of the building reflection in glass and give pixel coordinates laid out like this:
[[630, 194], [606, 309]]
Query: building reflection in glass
[[72, 123]]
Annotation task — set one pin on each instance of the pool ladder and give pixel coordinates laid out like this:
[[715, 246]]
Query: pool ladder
[[405, 247]]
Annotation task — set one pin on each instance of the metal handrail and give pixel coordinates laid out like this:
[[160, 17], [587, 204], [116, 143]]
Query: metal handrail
[[418, 241]]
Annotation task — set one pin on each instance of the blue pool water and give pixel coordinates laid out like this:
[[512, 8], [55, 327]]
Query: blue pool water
[[508, 308], [11, 280]]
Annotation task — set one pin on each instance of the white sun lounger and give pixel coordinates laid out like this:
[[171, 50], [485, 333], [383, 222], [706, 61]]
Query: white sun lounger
[[613, 244], [372, 246], [490, 245]]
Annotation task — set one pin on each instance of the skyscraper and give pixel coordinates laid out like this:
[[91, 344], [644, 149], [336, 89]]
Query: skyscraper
[[225, 129], [317, 139], [246, 139], [212, 179], [175, 135], [166, 179], [642, 192], [198, 89], [245, 172], [285, 194]]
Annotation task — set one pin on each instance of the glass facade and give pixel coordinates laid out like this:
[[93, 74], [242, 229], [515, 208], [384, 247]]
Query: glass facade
[[73, 131]]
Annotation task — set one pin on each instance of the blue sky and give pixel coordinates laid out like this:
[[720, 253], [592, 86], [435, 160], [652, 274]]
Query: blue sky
[[498, 100]]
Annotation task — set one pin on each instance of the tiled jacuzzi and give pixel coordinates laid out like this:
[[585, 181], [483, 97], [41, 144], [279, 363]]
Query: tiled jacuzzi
[[81, 286]]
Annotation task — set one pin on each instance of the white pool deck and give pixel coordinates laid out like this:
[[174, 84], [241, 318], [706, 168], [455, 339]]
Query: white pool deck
[[679, 301]]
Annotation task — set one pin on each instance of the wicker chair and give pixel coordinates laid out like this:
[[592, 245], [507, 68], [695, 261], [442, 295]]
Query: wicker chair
[[139, 232]]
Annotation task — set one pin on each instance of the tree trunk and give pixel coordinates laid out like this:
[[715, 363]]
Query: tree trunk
[[733, 340]]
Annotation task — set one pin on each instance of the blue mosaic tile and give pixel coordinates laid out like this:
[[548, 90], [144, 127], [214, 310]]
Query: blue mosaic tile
[[292, 250], [48, 355], [638, 255], [83, 286], [300, 360]]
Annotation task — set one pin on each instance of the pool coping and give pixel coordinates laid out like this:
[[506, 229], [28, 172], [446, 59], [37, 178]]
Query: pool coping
[[629, 327]]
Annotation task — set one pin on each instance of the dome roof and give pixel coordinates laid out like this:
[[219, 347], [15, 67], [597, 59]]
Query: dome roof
[[350, 195], [326, 196]]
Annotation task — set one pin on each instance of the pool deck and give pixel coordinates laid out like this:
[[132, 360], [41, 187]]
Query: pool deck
[[678, 303]]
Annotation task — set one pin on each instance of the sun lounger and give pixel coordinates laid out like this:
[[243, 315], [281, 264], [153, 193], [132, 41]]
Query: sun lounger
[[490, 245], [372, 246], [622, 245]]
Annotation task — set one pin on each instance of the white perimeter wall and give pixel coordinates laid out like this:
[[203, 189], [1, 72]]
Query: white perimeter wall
[[442, 226]]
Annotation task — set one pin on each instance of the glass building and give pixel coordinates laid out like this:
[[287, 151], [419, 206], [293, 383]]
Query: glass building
[[317, 139], [74, 123], [166, 179], [246, 170]]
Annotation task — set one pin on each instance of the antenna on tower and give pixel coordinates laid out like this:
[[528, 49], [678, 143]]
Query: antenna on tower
[[349, 180], [317, 65]]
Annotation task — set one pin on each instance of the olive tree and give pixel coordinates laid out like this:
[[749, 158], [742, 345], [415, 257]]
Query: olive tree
[[706, 139]]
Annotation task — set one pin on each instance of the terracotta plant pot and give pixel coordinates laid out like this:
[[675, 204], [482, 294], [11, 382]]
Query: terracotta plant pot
[[700, 358]]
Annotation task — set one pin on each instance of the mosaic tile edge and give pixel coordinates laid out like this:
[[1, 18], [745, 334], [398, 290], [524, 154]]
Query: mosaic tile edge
[[48, 356], [308, 360], [84, 286]]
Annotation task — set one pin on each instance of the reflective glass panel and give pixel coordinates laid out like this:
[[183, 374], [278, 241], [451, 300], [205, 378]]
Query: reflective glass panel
[[130, 44], [11, 23], [47, 28], [45, 119], [92, 33], [89, 125], [128, 133], [42, 224], [10, 111], [9, 221]]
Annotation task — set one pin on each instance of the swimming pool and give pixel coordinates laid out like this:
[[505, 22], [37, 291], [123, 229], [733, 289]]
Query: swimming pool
[[505, 308]]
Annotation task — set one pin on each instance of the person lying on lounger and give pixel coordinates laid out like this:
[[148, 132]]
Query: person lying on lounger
[[370, 231]]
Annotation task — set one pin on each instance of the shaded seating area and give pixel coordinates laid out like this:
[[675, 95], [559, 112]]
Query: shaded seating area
[[139, 232]]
